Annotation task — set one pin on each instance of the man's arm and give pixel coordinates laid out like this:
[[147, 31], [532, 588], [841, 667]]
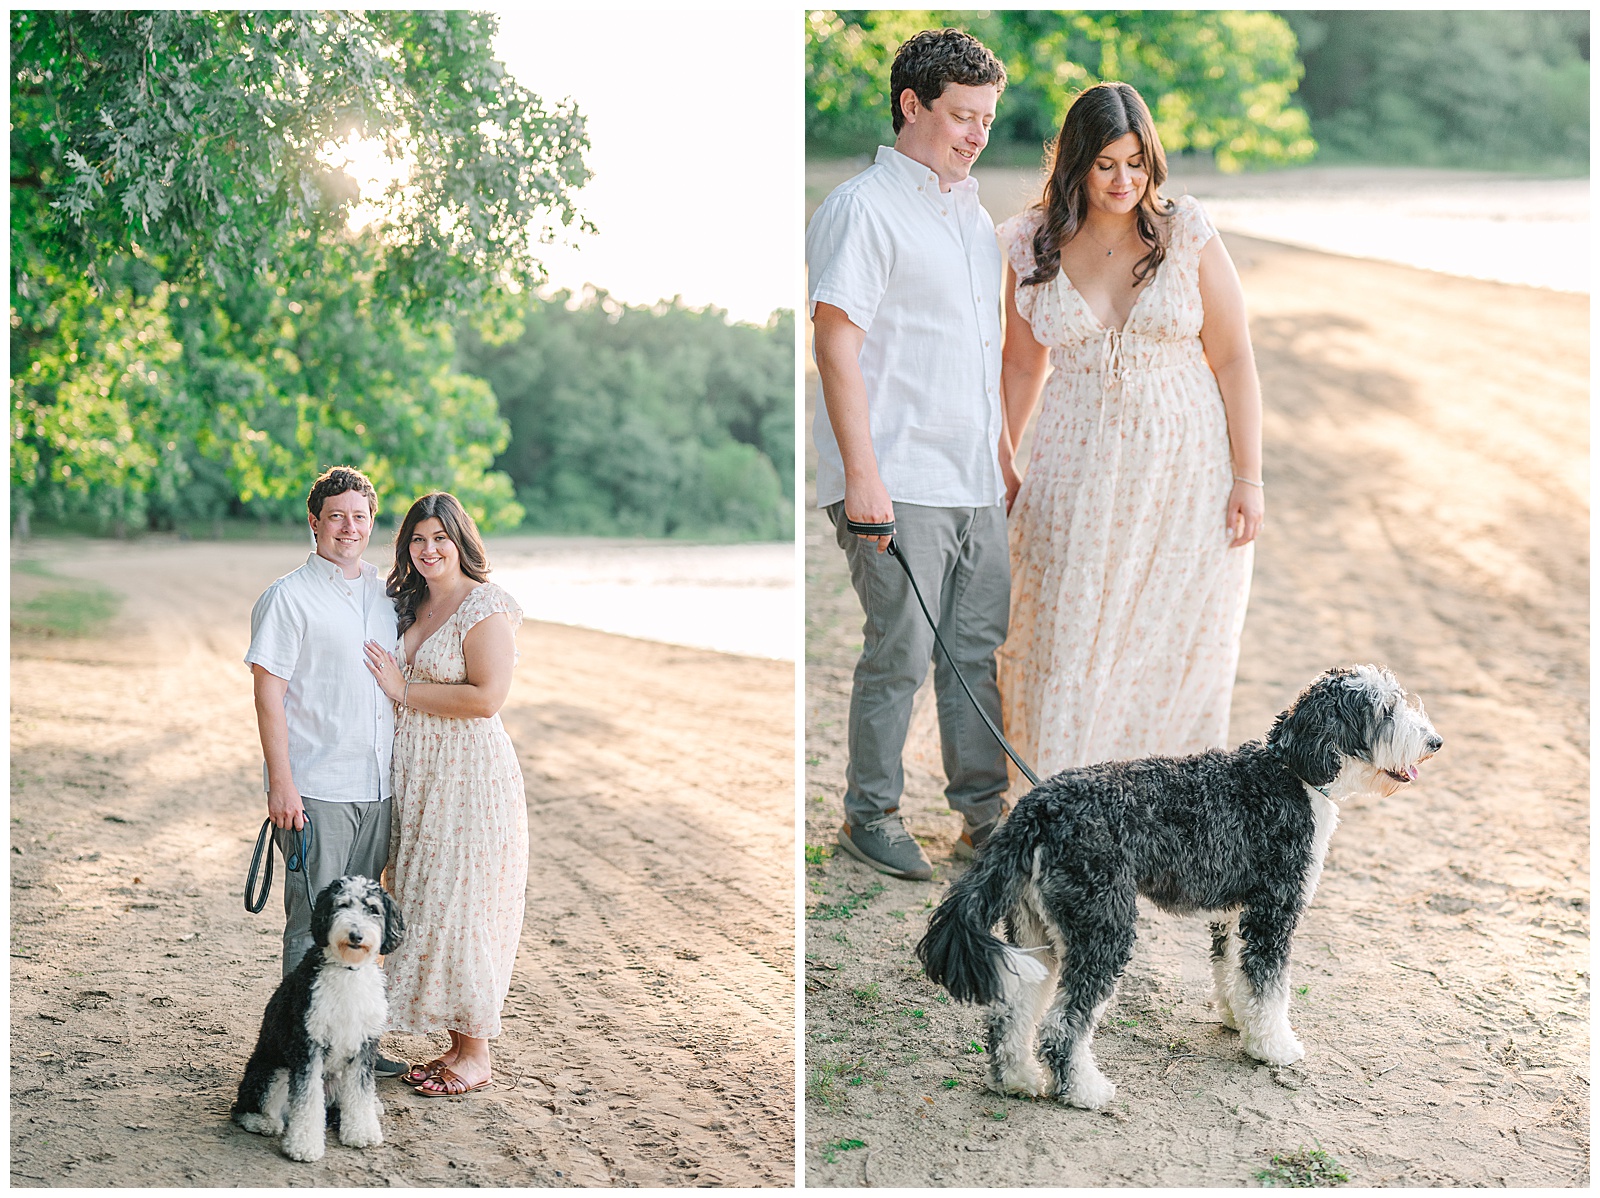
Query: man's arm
[[284, 807], [838, 344]]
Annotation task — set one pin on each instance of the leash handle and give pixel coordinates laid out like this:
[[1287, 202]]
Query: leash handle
[[862, 529], [899, 555], [294, 861], [263, 845]]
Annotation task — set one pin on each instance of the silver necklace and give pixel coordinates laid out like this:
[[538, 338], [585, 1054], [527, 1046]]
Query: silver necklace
[[1113, 248]]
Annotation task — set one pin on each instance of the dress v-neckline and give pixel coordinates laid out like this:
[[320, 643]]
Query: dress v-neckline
[[1145, 289], [411, 658]]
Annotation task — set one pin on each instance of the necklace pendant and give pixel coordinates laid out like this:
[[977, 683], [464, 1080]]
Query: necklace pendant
[[1108, 253]]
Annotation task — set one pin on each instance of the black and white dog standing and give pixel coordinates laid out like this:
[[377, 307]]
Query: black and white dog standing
[[1239, 834], [322, 1024]]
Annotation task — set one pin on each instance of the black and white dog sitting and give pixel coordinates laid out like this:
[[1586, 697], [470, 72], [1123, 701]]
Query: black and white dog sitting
[[322, 1025], [1240, 834]]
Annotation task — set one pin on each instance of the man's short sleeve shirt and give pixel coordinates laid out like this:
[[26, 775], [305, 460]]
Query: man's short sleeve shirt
[[918, 269], [309, 627]]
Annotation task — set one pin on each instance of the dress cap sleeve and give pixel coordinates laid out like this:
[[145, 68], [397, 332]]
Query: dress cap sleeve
[[1016, 240], [485, 601], [1194, 227]]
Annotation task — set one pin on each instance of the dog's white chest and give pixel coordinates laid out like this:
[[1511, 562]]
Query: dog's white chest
[[1326, 817], [348, 1008]]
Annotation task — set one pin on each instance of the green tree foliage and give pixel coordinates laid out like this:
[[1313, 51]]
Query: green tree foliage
[[1466, 88], [1216, 82], [658, 421], [195, 328]]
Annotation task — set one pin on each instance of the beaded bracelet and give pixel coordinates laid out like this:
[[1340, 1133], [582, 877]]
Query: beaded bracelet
[[1253, 482]]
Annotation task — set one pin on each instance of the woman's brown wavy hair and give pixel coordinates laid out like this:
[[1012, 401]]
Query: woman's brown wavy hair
[[407, 587], [1099, 116]]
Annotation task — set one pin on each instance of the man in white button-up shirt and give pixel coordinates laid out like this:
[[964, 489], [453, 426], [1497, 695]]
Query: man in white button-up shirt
[[905, 280], [326, 729]]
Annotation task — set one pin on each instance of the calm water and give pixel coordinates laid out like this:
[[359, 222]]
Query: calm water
[[1484, 226], [733, 598], [1534, 232]]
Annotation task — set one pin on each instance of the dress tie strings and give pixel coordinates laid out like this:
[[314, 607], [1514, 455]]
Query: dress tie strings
[[1112, 372]]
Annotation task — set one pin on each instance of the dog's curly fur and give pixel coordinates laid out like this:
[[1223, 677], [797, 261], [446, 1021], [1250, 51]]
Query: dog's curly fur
[[322, 1025], [1241, 834]]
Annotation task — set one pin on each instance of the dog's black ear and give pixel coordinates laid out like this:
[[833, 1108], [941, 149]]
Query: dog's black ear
[[1311, 735], [394, 926], [322, 913]]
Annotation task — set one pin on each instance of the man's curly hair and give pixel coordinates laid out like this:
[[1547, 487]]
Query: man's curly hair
[[336, 480], [928, 60]]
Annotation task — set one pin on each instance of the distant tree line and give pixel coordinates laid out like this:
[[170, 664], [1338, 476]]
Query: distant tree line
[[645, 421], [1490, 89], [1217, 82], [1496, 89], [196, 330]]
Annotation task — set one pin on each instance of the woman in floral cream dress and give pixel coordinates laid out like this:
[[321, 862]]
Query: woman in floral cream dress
[[1131, 532], [459, 845]]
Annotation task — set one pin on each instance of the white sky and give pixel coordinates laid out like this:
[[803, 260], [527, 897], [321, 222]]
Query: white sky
[[694, 124]]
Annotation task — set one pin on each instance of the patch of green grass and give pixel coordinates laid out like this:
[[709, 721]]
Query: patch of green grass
[[950, 1083], [1302, 991], [69, 608], [941, 997], [847, 907], [973, 1048], [816, 854], [996, 1115], [822, 1083], [867, 995], [900, 915], [1302, 1168], [1126, 1022], [830, 1152], [918, 1013]]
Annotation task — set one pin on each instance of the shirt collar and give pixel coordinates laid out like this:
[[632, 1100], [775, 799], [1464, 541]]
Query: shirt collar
[[918, 175], [327, 569]]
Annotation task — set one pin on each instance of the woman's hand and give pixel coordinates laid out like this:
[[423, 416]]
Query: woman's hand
[[1013, 480], [383, 667], [1247, 511]]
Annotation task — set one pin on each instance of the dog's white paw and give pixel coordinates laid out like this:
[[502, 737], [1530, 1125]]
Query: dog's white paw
[[259, 1124], [1280, 1047], [361, 1137], [1224, 1010], [1025, 1078], [1089, 1089], [298, 1148]]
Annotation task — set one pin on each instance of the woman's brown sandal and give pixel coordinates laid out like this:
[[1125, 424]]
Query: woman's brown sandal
[[418, 1074], [450, 1081]]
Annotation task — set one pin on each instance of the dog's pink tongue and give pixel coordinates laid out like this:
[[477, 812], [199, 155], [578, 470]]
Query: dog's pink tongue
[[1411, 772]]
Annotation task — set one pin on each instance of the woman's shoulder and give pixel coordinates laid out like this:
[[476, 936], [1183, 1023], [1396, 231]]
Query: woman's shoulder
[[1023, 224], [1016, 235], [486, 599], [1189, 222]]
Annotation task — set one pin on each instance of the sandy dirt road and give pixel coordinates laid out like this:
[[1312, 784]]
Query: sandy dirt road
[[649, 1031], [1427, 465]]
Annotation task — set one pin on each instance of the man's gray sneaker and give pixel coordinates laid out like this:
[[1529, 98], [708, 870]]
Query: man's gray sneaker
[[884, 844], [384, 1067], [973, 836]]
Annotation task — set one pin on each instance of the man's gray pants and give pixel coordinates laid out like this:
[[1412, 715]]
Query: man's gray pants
[[961, 562], [346, 838]]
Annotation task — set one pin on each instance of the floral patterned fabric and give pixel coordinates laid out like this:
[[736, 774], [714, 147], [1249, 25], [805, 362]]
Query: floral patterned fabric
[[1126, 603], [458, 846]]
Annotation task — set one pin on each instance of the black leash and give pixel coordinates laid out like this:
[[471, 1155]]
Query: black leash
[[887, 530], [294, 862]]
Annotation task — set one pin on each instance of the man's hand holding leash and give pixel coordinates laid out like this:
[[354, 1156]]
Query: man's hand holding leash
[[838, 344]]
